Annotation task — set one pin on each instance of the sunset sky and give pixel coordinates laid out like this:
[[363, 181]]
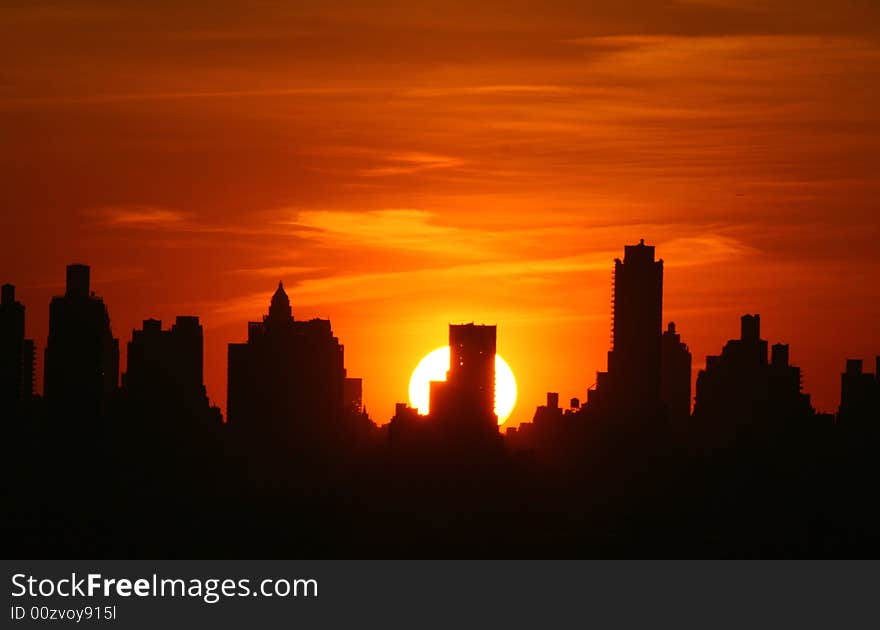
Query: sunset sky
[[404, 165]]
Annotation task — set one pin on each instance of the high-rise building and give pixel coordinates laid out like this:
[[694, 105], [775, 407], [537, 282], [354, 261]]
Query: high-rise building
[[675, 375], [632, 382], [859, 395], [28, 373], [465, 401], [287, 382], [354, 395], [82, 357], [165, 367], [745, 395], [16, 356]]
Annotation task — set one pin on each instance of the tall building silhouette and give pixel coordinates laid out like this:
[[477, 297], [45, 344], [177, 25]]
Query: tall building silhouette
[[165, 367], [354, 395], [675, 375], [287, 382], [16, 356], [860, 395], [743, 394], [465, 402], [461, 418], [82, 357], [632, 382]]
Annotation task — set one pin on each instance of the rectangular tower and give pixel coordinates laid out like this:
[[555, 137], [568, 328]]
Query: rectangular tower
[[165, 366], [82, 357], [472, 365], [14, 360], [634, 360], [465, 402], [675, 378]]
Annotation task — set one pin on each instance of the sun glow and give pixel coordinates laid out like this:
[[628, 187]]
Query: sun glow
[[433, 368]]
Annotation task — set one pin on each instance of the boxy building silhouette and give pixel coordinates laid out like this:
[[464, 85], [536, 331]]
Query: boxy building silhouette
[[462, 416], [744, 396], [464, 404], [165, 367], [860, 396], [354, 395], [675, 376], [469, 388], [16, 357], [82, 357]]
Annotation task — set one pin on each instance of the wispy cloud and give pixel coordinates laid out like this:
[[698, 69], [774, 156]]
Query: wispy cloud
[[409, 229], [484, 90], [183, 95], [704, 249], [358, 287], [160, 219], [141, 216], [280, 271], [327, 289], [406, 163]]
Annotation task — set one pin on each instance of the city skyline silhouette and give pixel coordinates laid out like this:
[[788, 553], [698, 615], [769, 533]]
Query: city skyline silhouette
[[627, 472], [37, 377], [231, 234], [484, 166], [631, 350]]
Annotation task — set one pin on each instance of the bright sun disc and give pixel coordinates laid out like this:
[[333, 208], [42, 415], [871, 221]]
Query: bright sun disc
[[433, 368]]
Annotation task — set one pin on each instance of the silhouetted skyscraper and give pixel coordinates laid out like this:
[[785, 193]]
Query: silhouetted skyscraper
[[632, 382], [860, 395], [287, 383], [354, 395], [166, 366], [465, 402], [16, 356], [743, 394], [470, 381], [82, 357], [675, 376], [28, 375]]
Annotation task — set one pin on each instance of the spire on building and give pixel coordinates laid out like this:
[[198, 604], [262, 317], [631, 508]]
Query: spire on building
[[279, 309]]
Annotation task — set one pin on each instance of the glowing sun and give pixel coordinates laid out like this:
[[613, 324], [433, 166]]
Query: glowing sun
[[433, 368]]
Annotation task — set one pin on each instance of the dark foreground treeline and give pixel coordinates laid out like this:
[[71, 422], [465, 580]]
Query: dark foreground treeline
[[139, 487]]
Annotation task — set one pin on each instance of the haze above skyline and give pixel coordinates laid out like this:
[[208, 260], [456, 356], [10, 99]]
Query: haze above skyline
[[401, 168]]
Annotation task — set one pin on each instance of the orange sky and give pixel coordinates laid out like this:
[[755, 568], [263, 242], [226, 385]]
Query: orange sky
[[401, 168]]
